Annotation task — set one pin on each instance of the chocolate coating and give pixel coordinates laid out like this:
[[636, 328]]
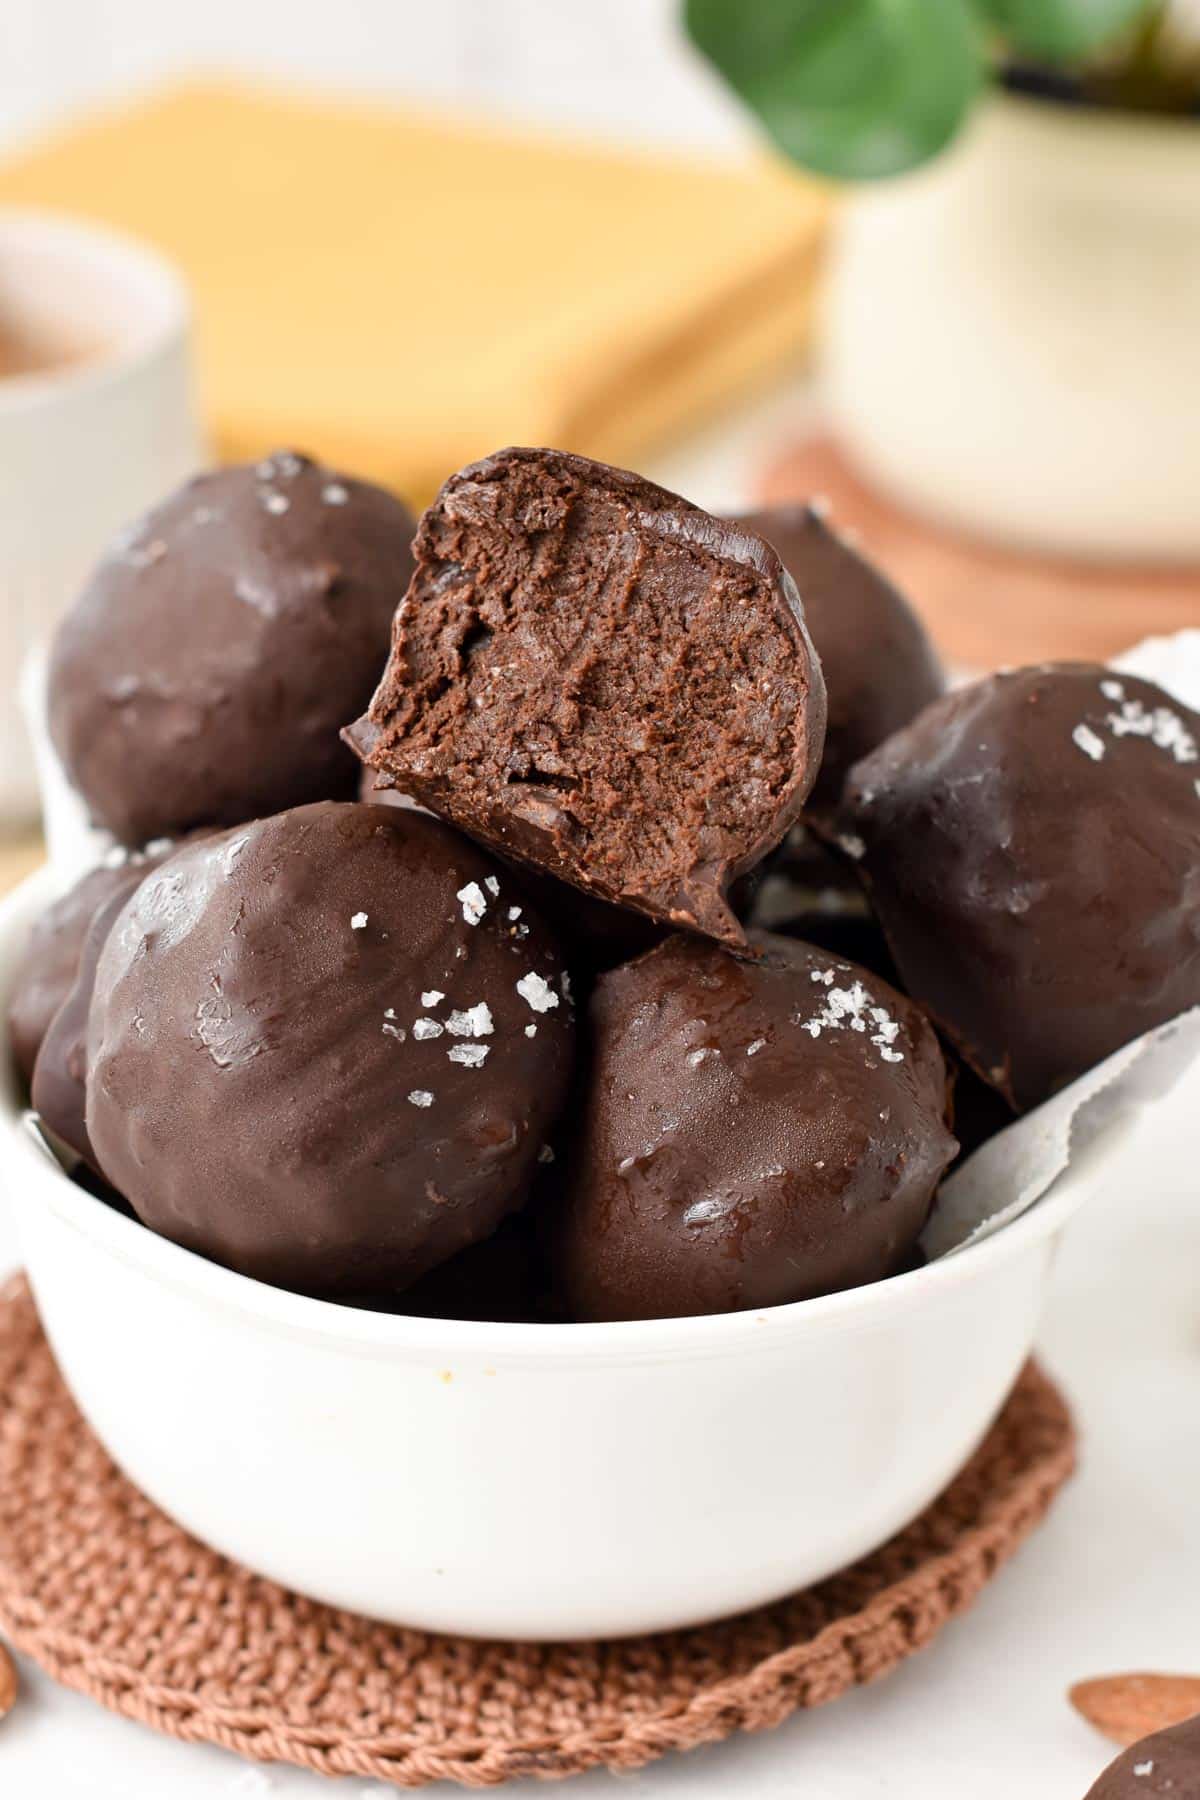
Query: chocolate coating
[[599, 679], [753, 1133], [51, 959], [1032, 848], [322, 1052], [1155, 1768], [204, 673], [879, 664]]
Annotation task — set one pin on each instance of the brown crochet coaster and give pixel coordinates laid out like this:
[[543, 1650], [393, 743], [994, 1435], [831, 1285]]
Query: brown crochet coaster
[[112, 1598]]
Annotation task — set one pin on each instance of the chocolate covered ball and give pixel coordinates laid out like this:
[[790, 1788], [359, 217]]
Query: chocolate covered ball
[[597, 678], [51, 960], [326, 1048], [754, 1132], [1165, 1766], [1031, 845], [58, 1088], [879, 664], [205, 672]]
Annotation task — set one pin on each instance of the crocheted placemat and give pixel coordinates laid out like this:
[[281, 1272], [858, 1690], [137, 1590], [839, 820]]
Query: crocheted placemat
[[112, 1598]]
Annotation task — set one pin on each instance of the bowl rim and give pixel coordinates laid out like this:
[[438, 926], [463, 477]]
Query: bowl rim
[[28, 1165]]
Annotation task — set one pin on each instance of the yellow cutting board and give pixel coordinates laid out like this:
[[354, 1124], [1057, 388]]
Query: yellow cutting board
[[401, 293]]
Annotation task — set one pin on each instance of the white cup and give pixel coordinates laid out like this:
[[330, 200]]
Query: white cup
[[103, 425]]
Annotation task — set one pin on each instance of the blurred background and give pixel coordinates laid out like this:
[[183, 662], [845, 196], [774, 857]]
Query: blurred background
[[938, 261]]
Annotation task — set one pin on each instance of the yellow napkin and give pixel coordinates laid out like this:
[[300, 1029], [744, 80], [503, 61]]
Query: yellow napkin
[[400, 293]]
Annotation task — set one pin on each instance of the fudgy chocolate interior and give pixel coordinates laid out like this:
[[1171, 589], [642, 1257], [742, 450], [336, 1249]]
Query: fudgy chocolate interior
[[595, 676]]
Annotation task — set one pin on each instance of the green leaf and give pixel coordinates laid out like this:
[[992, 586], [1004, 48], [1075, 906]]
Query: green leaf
[[851, 88], [1062, 31]]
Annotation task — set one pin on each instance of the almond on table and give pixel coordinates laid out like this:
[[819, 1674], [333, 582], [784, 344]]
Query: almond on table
[[1128, 1707]]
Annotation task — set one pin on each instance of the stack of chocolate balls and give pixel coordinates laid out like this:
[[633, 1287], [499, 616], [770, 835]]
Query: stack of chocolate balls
[[582, 910]]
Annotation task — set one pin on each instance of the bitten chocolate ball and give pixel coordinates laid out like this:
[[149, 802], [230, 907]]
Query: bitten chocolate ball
[[753, 1133], [326, 1049], [51, 959], [601, 680], [206, 670], [1165, 1766], [879, 665], [1032, 848]]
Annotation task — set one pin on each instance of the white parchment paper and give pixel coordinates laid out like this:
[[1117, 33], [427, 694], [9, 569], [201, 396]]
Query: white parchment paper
[[1020, 1165]]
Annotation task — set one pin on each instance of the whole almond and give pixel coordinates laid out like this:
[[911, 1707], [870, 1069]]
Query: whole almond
[[8, 1681], [1128, 1707]]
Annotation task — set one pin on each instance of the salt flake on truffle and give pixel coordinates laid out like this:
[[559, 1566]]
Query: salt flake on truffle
[[491, 884], [471, 1056], [420, 1097], [474, 905], [358, 921], [432, 997], [424, 1029], [334, 494], [1086, 739], [475, 1022], [853, 1006], [537, 992]]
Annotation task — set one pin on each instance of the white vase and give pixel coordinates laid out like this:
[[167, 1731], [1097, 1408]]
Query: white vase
[[1013, 334]]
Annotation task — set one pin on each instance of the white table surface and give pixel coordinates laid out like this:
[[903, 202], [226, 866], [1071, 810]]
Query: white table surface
[[1108, 1583]]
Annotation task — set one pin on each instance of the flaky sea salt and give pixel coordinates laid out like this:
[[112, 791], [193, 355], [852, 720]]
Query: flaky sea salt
[[854, 1007], [424, 1029], [754, 1048], [491, 884], [1165, 729], [531, 1031], [471, 1056], [334, 494], [395, 1031], [1085, 739], [276, 503], [420, 1097], [514, 913], [432, 996], [358, 921], [545, 1154], [537, 992], [475, 1022], [472, 901]]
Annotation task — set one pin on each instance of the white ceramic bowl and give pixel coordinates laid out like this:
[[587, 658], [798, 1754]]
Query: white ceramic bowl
[[519, 1480]]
